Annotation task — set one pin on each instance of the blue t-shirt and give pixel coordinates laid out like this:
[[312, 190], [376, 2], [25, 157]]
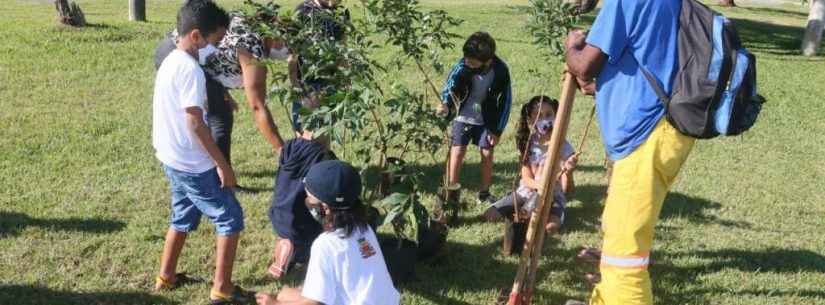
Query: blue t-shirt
[[626, 31]]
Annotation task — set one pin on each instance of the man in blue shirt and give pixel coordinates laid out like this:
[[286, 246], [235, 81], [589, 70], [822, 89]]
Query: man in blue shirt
[[628, 36]]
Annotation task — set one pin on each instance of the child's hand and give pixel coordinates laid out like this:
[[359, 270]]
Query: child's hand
[[571, 163], [492, 139], [442, 110], [227, 176]]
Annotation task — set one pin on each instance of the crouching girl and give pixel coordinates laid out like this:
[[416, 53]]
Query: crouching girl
[[534, 130]]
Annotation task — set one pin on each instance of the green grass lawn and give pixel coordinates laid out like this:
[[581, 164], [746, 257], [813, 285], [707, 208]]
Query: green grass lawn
[[84, 203]]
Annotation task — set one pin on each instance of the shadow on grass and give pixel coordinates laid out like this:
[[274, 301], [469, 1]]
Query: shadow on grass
[[38, 295], [474, 269], [769, 38], [12, 223], [771, 11], [674, 284], [676, 205], [503, 174]]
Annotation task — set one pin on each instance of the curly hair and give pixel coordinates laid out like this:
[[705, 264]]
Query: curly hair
[[525, 126]]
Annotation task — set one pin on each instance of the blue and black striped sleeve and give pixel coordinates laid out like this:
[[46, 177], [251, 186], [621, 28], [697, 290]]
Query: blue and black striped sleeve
[[508, 101], [449, 86]]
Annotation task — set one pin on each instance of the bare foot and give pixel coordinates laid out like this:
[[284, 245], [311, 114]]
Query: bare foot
[[553, 225], [591, 256], [265, 299]]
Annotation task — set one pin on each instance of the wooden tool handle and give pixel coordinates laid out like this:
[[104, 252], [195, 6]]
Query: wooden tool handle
[[528, 263]]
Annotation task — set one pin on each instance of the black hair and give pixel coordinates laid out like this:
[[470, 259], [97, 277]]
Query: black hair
[[481, 46], [203, 15], [349, 220], [524, 125]]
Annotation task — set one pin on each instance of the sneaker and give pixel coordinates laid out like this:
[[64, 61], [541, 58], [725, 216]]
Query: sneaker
[[575, 302], [485, 198], [282, 259]]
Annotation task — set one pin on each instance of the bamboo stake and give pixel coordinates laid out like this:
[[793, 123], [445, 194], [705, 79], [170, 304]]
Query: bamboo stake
[[522, 291]]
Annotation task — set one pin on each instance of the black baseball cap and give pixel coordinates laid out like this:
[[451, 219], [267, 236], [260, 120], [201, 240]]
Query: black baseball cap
[[335, 183]]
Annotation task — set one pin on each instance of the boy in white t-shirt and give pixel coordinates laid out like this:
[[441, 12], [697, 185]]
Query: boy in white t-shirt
[[200, 178], [346, 266]]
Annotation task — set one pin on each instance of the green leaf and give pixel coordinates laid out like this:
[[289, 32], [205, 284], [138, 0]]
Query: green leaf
[[394, 200]]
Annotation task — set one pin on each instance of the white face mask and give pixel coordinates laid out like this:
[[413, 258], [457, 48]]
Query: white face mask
[[279, 54], [316, 214], [206, 52]]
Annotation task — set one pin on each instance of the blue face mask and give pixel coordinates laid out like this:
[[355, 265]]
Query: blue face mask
[[544, 125]]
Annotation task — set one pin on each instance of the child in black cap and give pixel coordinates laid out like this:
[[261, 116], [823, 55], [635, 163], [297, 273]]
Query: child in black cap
[[346, 265]]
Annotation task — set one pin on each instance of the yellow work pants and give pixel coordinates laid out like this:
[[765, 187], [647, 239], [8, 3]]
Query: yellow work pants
[[638, 187]]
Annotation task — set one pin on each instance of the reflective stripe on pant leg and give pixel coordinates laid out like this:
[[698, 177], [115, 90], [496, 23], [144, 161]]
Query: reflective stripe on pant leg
[[639, 185]]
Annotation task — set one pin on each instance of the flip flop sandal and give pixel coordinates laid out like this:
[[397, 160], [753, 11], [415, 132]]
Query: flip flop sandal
[[181, 279], [239, 296], [284, 253], [589, 255]]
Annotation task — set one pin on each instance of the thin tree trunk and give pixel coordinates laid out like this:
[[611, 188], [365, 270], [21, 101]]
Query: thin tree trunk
[[69, 13], [727, 3], [137, 10], [813, 33]]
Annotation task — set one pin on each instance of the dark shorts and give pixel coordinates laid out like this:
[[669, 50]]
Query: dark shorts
[[463, 134]]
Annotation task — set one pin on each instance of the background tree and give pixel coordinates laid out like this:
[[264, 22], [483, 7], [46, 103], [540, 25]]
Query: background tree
[[69, 13], [813, 33], [137, 10], [359, 91]]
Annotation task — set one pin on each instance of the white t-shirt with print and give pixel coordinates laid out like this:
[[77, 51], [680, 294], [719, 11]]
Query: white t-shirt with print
[[349, 271], [179, 84]]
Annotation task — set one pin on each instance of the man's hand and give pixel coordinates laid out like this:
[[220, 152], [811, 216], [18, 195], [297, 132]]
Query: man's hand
[[587, 87], [311, 101], [583, 60], [227, 176], [575, 40], [492, 139], [442, 110]]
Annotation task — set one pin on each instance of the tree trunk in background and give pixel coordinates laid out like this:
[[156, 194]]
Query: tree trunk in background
[[813, 33], [137, 10], [726, 3], [69, 14]]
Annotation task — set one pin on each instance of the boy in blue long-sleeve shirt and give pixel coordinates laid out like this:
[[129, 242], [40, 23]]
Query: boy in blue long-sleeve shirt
[[478, 95]]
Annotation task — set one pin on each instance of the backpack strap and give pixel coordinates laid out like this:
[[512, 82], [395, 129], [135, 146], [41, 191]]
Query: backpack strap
[[653, 84]]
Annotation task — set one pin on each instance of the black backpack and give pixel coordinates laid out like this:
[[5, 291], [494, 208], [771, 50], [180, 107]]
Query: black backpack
[[714, 90]]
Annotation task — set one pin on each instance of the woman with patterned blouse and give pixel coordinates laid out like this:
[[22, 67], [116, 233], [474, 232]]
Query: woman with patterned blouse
[[235, 64]]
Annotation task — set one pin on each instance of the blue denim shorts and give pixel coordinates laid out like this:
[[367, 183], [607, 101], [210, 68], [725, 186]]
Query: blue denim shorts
[[194, 195], [463, 134]]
